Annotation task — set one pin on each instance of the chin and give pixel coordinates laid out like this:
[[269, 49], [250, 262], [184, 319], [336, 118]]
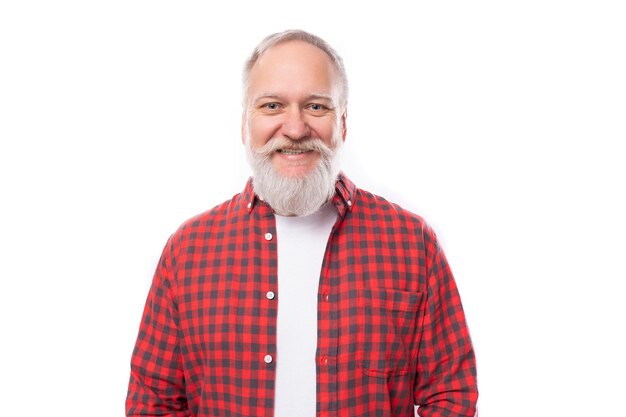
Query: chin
[[294, 172]]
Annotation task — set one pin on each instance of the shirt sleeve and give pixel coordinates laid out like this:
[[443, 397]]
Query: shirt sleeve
[[157, 385], [446, 376]]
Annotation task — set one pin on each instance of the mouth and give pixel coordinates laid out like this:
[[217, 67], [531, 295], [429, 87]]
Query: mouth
[[292, 151]]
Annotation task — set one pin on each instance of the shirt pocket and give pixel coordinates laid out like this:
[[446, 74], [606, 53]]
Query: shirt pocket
[[388, 321]]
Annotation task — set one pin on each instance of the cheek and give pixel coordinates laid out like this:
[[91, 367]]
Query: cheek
[[325, 130], [261, 130]]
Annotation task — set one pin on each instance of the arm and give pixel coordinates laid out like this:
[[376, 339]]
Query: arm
[[157, 385], [446, 376]]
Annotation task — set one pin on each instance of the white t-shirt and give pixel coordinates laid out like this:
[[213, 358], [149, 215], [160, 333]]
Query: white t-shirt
[[301, 245]]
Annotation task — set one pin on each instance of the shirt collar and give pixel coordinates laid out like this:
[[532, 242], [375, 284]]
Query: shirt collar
[[345, 193]]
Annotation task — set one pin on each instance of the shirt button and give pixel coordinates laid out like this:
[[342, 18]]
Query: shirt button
[[268, 359], [268, 236], [325, 360], [325, 296], [349, 203], [249, 205], [270, 295]]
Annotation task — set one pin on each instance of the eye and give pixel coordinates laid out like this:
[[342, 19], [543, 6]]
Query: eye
[[316, 106], [271, 106]]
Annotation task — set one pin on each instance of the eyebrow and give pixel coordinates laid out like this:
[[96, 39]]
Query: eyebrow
[[321, 97], [315, 96]]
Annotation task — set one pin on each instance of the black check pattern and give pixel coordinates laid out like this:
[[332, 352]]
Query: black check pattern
[[391, 328]]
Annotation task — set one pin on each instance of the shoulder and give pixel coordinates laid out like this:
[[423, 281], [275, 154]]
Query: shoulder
[[372, 205], [386, 215], [211, 222], [394, 222]]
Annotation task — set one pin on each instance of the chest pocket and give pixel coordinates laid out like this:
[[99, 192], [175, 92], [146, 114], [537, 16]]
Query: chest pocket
[[388, 321]]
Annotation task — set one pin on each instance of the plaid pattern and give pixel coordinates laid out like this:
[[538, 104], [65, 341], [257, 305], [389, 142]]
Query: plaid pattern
[[391, 328]]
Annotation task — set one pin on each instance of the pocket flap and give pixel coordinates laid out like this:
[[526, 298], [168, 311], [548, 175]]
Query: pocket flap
[[395, 300]]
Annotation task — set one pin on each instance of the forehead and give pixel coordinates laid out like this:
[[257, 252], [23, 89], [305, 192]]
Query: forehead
[[293, 67]]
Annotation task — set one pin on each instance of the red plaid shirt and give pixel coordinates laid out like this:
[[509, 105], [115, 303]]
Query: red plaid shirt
[[391, 329]]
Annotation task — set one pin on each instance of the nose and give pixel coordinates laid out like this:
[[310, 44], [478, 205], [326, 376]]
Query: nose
[[295, 126]]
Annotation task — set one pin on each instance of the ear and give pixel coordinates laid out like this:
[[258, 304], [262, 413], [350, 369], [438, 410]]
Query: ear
[[344, 129], [244, 130]]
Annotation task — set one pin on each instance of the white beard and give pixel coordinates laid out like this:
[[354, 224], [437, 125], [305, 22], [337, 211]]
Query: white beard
[[297, 195]]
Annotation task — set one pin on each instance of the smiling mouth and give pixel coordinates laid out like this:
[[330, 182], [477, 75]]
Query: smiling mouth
[[292, 151]]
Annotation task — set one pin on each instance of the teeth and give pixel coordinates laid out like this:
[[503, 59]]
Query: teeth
[[291, 151]]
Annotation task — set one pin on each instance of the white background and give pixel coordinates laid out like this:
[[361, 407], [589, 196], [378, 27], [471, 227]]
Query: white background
[[501, 122]]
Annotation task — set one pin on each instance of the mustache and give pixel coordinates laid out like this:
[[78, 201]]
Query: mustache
[[304, 145]]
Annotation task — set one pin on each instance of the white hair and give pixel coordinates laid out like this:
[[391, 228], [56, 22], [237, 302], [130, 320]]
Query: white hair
[[297, 195], [297, 35]]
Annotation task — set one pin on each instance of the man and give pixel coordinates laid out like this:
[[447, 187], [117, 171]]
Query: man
[[303, 295]]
